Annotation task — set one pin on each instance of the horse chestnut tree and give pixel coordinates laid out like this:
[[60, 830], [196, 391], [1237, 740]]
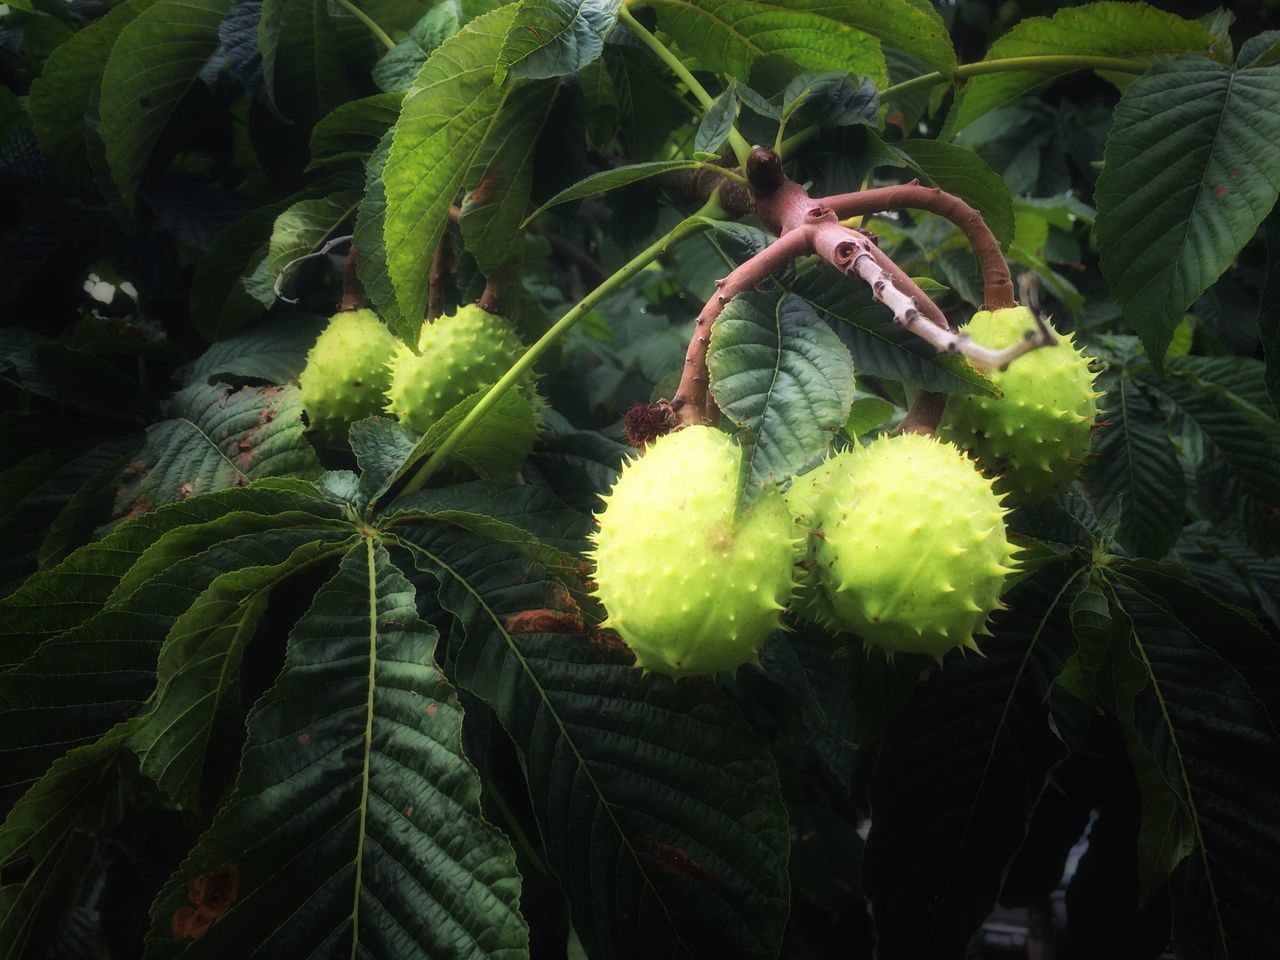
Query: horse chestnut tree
[[648, 479]]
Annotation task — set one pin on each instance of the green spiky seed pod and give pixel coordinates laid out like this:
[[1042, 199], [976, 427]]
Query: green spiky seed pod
[[1036, 437], [346, 373], [457, 356], [912, 553], [692, 588]]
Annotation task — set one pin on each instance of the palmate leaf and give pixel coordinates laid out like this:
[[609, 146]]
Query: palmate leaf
[[1110, 29], [728, 36], [1218, 751], [46, 843], [219, 437], [201, 658], [555, 38], [1136, 470], [153, 62], [57, 599], [1191, 171], [446, 115], [660, 811], [78, 684], [354, 827], [781, 375], [959, 773]]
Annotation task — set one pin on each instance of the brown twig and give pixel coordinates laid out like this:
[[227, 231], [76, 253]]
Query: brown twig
[[441, 262], [353, 297], [805, 225], [488, 300], [997, 284]]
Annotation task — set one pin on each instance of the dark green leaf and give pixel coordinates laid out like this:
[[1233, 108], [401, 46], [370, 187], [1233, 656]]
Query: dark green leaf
[[967, 175], [1134, 31], [354, 826], [83, 381], [371, 264], [200, 658], [654, 791], [782, 376], [714, 128], [46, 844], [381, 445], [612, 179], [1191, 171], [153, 62], [216, 437], [274, 351], [959, 774], [354, 129], [554, 38], [1260, 51], [1136, 469], [1269, 311], [60, 96], [302, 66], [1218, 750]]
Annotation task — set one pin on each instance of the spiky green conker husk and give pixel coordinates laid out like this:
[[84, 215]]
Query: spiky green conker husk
[[1036, 437], [457, 356], [692, 588], [805, 499], [346, 373], [911, 553]]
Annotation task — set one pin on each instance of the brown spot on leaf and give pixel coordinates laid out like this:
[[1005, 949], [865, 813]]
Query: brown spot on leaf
[[546, 621], [431, 709], [185, 490], [211, 896], [1220, 190], [304, 738], [673, 859]]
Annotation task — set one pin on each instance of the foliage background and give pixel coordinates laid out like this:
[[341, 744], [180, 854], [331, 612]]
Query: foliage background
[[184, 568]]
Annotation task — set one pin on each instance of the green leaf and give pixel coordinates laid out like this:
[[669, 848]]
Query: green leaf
[[354, 826], [83, 381], [57, 599], [728, 36], [396, 69], [217, 437], [964, 173], [785, 379], [713, 130], [274, 351], [353, 129], [46, 844], [1133, 31], [200, 659], [61, 94], [1269, 311], [654, 791], [371, 264], [155, 59], [381, 445], [555, 38], [496, 445], [499, 183], [1218, 750], [959, 773], [612, 179], [1191, 171], [865, 414], [1136, 471], [299, 230], [302, 64], [445, 119], [78, 684], [1260, 51]]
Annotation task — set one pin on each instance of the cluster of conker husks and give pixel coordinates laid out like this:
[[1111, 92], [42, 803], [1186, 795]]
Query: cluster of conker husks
[[900, 543], [357, 368]]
